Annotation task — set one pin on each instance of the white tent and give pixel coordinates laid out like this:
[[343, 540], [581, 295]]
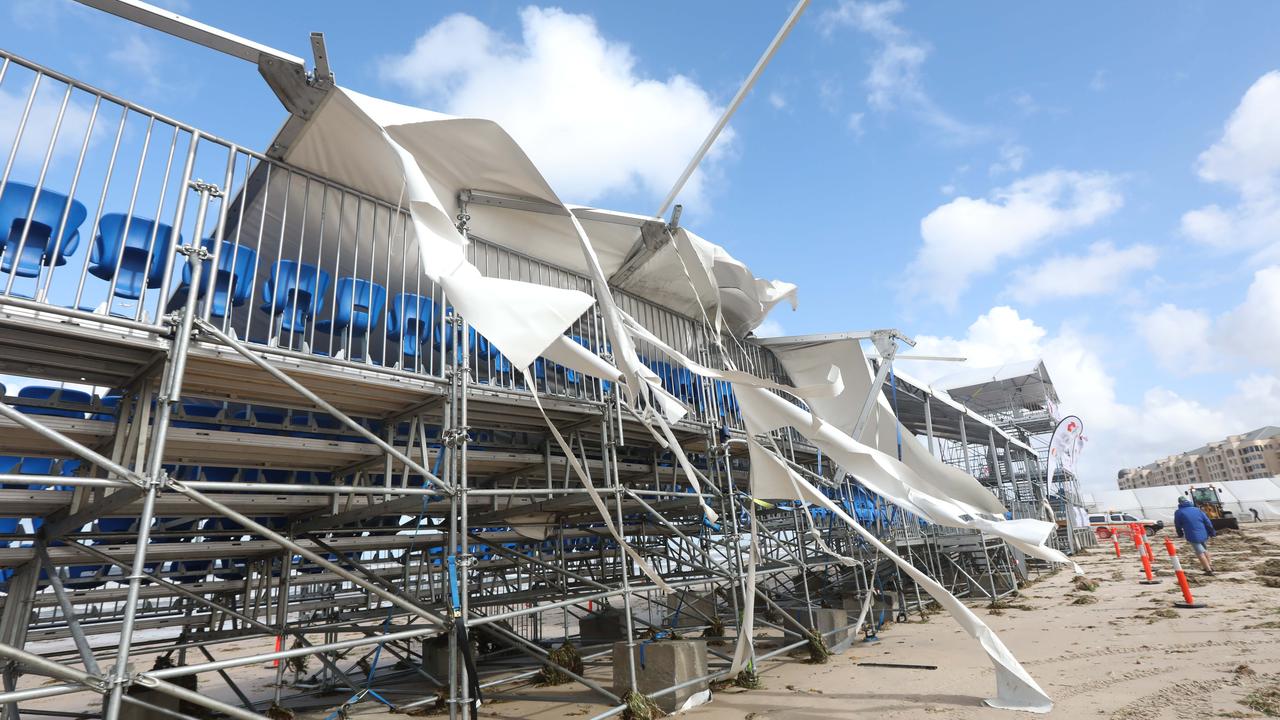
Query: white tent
[[1159, 503], [346, 141]]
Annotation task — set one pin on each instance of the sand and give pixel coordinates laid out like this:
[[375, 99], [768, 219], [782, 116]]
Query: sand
[[1130, 655], [1121, 651]]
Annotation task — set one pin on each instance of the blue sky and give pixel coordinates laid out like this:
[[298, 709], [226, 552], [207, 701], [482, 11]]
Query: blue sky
[[1093, 182]]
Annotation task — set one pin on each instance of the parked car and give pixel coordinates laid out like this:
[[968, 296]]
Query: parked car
[[1105, 524]]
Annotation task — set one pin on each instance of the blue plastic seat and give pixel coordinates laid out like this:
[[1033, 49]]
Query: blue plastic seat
[[38, 250], [485, 354], [685, 384], [117, 525], [108, 403], [53, 395], [271, 416], [294, 293], [193, 409], [357, 305], [232, 283], [411, 318], [665, 372], [189, 571], [9, 526], [26, 466], [726, 403], [139, 246]]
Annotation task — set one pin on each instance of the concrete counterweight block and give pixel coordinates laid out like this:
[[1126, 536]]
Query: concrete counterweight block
[[129, 711], [1002, 583], [694, 608], [605, 626], [660, 665], [435, 659], [827, 621]]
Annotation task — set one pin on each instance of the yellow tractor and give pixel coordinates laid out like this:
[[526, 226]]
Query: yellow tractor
[[1206, 498]]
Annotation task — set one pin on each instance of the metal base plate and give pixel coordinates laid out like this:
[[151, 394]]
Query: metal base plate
[[1190, 606]]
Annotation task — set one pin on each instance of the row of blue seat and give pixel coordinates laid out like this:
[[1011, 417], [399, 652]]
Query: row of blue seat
[[129, 252]]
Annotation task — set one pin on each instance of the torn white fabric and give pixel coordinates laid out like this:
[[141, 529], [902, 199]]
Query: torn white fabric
[[646, 391], [829, 386], [544, 312], [807, 362], [884, 475], [565, 351], [1015, 688], [744, 651], [342, 141], [594, 494]]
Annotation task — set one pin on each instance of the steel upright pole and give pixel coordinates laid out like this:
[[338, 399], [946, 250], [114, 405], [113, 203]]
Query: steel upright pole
[[170, 395]]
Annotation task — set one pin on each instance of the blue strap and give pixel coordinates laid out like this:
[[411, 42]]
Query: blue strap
[[656, 636], [439, 458], [453, 583]]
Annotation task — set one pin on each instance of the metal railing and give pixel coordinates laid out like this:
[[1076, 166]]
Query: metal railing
[[298, 262]]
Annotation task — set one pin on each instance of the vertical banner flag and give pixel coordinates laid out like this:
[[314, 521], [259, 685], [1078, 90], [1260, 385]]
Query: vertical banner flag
[[1065, 446]]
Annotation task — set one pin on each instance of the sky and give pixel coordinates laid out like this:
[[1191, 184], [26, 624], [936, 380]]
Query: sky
[[1096, 184]]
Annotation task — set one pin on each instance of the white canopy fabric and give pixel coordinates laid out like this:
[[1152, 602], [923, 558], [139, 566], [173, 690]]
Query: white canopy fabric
[[421, 161], [808, 362], [345, 141], [1159, 503], [979, 376]]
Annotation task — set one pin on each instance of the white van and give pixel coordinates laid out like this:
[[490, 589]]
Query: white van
[[1105, 524]]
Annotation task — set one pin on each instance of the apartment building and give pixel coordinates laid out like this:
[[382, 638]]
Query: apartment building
[[1250, 455]]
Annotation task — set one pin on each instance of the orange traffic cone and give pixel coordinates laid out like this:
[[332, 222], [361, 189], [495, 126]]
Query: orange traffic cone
[[1189, 601]]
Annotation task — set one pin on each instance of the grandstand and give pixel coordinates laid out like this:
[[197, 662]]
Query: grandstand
[[239, 407]]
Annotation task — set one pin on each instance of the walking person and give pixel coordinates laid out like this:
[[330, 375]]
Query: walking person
[[1256, 516], [1191, 523]]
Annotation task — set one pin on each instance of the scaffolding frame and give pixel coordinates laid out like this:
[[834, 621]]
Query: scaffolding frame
[[419, 508]]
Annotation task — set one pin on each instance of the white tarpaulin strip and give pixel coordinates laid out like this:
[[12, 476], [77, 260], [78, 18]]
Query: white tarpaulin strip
[[544, 312], [808, 362], [833, 384], [594, 494], [1015, 688], [882, 474], [744, 650]]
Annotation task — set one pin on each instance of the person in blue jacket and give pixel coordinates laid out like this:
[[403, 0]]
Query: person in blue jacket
[[1195, 526]]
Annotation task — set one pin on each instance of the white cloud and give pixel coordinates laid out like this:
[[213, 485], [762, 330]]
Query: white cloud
[[770, 328], [949, 189], [1103, 269], [572, 98], [1120, 434], [1252, 329], [968, 236], [894, 79], [830, 91], [777, 100], [1178, 338], [1247, 158], [1026, 103], [855, 124], [40, 123], [1012, 158], [139, 58], [1191, 341], [1098, 82]]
